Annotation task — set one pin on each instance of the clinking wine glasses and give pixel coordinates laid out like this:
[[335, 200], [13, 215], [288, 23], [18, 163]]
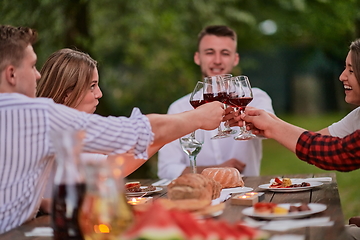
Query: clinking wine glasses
[[215, 90], [226, 78], [240, 95]]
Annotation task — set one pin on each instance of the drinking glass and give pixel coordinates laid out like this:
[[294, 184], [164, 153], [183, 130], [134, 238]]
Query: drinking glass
[[226, 78], [240, 95], [197, 98], [197, 95], [214, 90], [191, 145], [105, 213]]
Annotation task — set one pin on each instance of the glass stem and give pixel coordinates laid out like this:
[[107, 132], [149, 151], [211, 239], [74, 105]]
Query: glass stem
[[192, 163]]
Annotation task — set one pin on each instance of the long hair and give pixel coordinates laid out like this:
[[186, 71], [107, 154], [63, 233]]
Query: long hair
[[66, 71], [355, 58]]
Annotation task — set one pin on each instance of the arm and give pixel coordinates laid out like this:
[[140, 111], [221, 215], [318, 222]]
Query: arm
[[325, 152], [324, 131], [207, 116], [169, 127], [330, 153], [270, 126]]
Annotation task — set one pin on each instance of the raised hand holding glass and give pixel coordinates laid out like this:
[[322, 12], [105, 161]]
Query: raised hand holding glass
[[214, 90], [240, 95]]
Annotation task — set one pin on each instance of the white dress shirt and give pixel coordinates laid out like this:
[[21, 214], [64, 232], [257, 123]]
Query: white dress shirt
[[172, 160], [27, 153]]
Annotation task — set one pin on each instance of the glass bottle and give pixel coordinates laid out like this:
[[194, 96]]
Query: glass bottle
[[105, 214], [69, 186]]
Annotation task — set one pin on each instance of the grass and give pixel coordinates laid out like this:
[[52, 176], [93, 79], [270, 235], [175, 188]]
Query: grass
[[278, 160]]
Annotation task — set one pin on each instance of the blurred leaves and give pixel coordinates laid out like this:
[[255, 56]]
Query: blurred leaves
[[145, 47]]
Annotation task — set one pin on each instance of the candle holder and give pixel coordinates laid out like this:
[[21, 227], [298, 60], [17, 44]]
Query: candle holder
[[247, 199], [134, 201]]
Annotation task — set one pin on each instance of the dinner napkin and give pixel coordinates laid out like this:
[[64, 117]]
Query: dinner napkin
[[316, 179], [285, 225], [162, 182], [223, 197], [288, 237], [40, 232]]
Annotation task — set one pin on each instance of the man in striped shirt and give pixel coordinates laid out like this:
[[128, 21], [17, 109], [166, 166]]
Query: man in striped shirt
[[26, 124]]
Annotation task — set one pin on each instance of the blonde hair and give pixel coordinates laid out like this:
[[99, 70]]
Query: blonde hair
[[66, 71]]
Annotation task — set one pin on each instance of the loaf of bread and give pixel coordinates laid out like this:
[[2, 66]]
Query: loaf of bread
[[228, 177], [193, 186]]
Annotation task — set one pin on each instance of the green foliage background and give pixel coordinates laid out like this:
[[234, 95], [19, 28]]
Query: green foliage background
[[145, 51]]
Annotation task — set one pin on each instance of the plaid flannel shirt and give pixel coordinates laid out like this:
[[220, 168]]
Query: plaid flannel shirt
[[330, 153]]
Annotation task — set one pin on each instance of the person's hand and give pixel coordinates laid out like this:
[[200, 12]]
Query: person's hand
[[233, 162], [355, 220], [232, 117], [212, 115], [259, 121]]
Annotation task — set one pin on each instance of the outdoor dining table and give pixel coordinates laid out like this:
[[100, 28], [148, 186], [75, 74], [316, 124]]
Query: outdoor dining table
[[325, 194]]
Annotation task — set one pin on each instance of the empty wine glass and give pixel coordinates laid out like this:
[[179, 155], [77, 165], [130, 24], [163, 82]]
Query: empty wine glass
[[214, 90], [240, 95], [191, 145]]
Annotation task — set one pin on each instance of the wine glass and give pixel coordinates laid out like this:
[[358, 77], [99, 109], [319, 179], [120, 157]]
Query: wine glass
[[214, 90], [226, 78], [197, 98], [191, 145], [240, 95], [197, 95]]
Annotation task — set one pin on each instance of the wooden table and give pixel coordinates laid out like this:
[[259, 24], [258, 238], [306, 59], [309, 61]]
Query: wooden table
[[326, 194]]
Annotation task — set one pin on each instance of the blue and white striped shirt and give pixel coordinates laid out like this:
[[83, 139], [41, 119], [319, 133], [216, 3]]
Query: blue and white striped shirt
[[26, 150]]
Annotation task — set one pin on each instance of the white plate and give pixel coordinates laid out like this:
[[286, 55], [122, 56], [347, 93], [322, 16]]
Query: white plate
[[236, 190], [293, 189], [315, 208], [215, 214], [138, 194]]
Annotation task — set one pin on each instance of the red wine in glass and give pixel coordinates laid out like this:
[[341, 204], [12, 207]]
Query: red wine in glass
[[197, 103], [66, 205], [240, 102], [210, 97]]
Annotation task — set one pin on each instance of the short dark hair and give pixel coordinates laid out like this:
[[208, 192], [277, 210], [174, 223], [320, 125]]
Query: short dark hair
[[13, 41], [217, 30]]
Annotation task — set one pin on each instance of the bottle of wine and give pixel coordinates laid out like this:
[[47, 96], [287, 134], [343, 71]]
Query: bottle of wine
[[69, 186]]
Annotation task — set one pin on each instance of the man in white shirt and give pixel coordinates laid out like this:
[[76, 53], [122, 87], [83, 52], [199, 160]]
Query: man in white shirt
[[216, 55], [26, 124]]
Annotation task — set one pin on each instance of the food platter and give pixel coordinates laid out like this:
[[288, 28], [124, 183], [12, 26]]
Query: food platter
[[236, 190], [143, 193], [291, 189], [315, 208]]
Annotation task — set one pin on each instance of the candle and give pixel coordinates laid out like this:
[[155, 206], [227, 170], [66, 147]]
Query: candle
[[247, 199], [251, 193], [139, 200], [136, 201]]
